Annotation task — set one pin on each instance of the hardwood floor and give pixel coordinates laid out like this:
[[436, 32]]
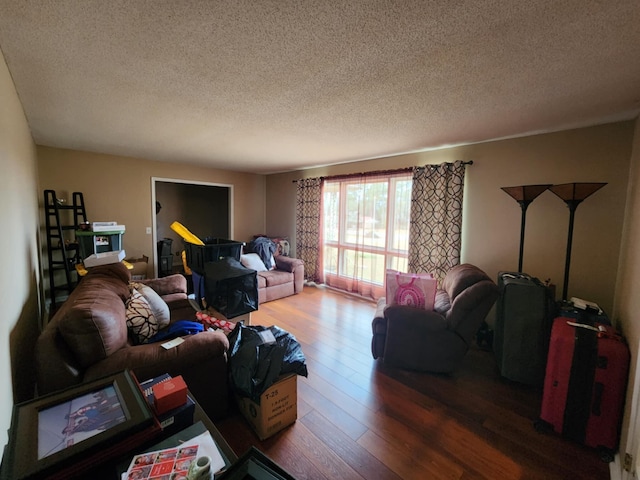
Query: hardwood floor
[[358, 419]]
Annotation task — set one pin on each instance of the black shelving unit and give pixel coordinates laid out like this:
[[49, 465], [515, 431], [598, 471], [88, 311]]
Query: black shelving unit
[[62, 248]]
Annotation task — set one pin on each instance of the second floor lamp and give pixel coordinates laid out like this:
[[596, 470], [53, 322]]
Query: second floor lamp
[[573, 194]]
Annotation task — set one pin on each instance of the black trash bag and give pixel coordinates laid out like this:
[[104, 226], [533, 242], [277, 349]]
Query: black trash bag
[[254, 365], [230, 288]]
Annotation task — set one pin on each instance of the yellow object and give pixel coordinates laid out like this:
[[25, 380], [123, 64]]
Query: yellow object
[[82, 271], [185, 234], [187, 270]]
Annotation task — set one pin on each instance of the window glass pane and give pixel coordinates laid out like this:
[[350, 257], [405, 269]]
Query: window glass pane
[[330, 259], [401, 209], [364, 266], [375, 214], [366, 230], [331, 212], [353, 204], [398, 263]]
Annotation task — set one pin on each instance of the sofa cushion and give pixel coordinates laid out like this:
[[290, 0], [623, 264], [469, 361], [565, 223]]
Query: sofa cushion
[[253, 261], [158, 306], [93, 326], [275, 277], [442, 304], [461, 277], [141, 321]]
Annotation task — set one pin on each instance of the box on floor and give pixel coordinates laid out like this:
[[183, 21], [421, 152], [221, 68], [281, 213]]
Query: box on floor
[[278, 407]]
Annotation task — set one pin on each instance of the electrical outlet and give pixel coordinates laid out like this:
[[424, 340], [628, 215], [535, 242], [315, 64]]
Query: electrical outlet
[[148, 230]]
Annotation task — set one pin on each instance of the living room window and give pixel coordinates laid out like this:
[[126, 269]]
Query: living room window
[[366, 230]]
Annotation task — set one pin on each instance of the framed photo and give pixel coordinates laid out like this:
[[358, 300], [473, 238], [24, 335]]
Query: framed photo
[[255, 465], [72, 431]]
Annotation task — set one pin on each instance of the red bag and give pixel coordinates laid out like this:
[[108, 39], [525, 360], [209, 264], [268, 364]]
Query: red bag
[[411, 289]]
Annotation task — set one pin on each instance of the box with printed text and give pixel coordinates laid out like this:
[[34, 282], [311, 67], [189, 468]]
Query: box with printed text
[[277, 409]]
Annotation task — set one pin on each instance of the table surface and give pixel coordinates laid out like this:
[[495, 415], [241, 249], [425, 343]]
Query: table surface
[[114, 470]]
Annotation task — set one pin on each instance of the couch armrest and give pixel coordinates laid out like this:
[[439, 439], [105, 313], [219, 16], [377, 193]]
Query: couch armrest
[[288, 264], [379, 330], [171, 284], [201, 360], [295, 266]]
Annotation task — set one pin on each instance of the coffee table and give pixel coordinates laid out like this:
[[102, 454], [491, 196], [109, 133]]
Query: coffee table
[[201, 422]]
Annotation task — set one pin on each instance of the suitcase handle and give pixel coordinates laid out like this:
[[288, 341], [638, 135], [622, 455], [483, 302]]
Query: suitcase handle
[[598, 390]]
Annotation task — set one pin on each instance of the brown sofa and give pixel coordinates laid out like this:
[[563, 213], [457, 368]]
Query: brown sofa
[[286, 279], [87, 338], [437, 340]]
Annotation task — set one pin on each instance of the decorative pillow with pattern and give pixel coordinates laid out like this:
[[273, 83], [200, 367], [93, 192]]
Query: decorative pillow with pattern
[[158, 306], [141, 322]]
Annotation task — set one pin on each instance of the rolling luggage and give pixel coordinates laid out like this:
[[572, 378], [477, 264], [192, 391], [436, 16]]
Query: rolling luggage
[[585, 384], [524, 314]]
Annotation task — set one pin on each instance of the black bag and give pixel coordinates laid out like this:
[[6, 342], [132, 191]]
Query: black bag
[[230, 288], [255, 365]]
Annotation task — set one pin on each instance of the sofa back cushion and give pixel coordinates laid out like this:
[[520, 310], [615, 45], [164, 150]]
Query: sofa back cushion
[[92, 320], [461, 277]]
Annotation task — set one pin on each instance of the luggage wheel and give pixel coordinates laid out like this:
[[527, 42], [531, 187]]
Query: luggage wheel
[[542, 427], [606, 454]]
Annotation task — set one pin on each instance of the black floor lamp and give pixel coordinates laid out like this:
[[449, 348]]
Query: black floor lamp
[[524, 195], [573, 194]]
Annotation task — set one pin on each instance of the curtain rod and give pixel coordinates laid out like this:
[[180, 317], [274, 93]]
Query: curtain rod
[[382, 172]]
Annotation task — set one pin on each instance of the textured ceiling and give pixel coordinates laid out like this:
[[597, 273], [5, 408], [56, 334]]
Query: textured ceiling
[[265, 86]]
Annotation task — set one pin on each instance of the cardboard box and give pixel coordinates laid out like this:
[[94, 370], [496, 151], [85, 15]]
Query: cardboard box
[[277, 409], [169, 394], [139, 270]]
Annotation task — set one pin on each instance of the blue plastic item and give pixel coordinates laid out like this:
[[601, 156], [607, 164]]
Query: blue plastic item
[[177, 329]]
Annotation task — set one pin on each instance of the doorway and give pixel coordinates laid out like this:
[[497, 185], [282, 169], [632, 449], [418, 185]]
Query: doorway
[[205, 209]]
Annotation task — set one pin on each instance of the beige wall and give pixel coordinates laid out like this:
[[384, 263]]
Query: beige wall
[[119, 188], [491, 223], [20, 277], [627, 300]]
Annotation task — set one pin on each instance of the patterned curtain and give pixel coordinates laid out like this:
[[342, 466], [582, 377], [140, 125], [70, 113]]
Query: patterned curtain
[[309, 227], [436, 218]]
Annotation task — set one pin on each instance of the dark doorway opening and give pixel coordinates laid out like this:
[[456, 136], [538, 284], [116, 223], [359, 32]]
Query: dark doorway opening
[[205, 209]]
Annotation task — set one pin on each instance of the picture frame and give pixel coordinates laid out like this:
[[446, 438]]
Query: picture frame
[[255, 465], [69, 432]]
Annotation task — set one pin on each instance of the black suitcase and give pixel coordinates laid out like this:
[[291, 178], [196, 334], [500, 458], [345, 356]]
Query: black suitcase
[[524, 314]]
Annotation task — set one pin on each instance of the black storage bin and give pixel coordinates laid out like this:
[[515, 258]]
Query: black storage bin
[[230, 288], [214, 249], [164, 247]]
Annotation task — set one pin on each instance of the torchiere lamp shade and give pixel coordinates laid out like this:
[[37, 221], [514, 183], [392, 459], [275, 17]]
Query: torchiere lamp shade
[[573, 194], [524, 195], [575, 191]]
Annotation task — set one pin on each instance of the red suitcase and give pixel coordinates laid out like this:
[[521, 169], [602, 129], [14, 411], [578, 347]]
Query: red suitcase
[[585, 383]]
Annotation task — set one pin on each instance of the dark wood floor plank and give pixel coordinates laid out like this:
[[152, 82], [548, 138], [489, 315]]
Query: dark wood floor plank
[[336, 415], [405, 462], [360, 419], [367, 465], [324, 458]]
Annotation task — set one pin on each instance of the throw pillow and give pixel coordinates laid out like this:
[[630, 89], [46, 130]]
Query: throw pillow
[[253, 261], [141, 322], [158, 306]]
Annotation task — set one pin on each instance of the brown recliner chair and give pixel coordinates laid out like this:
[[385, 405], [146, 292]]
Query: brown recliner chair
[[435, 341]]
